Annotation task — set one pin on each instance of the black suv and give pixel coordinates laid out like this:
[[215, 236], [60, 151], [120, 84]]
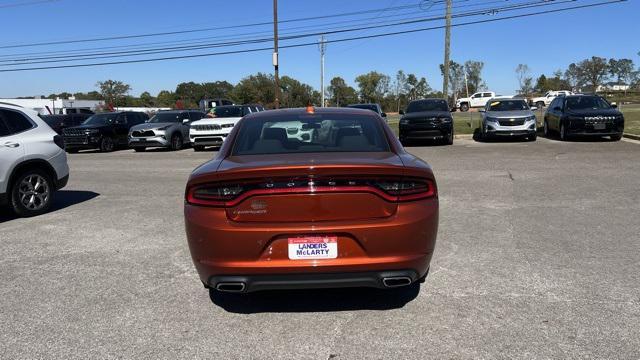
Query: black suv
[[105, 131], [426, 119], [60, 122], [583, 115]]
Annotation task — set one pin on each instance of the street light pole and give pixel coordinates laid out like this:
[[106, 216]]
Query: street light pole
[[275, 53]]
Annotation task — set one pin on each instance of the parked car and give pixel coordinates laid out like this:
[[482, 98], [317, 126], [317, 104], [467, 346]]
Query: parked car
[[373, 107], [508, 117], [477, 100], [548, 97], [60, 122], [348, 207], [33, 164], [166, 129], [212, 131], [105, 131], [583, 115], [426, 119]]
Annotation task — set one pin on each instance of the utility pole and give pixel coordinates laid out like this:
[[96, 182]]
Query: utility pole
[[275, 53], [447, 43], [322, 46]]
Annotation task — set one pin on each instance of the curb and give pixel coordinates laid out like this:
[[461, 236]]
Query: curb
[[631, 136], [463, 136]]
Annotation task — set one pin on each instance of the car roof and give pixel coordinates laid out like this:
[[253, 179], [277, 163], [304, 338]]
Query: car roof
[[428, 99], [317, 110], [506, 98]]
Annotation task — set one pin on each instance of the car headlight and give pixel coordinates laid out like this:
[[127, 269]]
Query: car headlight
[[163, 128], [445, 119], [404, 121], [91, 131], [531, 118], [490, 119]]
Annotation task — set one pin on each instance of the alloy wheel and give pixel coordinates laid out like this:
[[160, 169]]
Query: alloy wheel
[[34, 192]]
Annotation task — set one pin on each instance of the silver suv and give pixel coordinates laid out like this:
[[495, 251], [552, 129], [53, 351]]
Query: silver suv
[[508, 117], [167, 129], [33, 163]]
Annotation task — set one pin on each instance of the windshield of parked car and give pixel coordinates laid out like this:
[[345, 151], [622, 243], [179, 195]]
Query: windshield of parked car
[[427, 105], [228, 111], [310, 133], [371, 107], [507, 105], [586, 103], [168, 117], [101, 119]]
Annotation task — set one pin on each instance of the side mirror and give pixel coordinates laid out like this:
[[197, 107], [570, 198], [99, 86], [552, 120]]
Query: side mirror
[[384, 115], [401, 112], [534, 108]]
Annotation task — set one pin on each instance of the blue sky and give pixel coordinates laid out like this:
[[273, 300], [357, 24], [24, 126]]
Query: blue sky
[[545, 43]]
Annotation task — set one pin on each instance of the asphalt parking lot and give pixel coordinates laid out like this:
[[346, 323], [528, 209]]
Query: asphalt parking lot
[[538, 256]]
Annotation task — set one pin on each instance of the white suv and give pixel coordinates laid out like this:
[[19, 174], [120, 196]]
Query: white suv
[[33, 163]]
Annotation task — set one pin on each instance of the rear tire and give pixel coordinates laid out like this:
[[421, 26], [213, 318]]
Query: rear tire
[[198, 148], [615, 137], [545, 129], [449, 139], [563, 133], [533, 137], [72, 150], [176, 142], [464, 107], [140, 149], [106, 144], [31, 193], [540, 104]]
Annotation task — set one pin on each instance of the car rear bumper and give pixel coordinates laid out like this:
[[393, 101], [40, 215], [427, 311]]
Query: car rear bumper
[[220, 247], [251, 283]]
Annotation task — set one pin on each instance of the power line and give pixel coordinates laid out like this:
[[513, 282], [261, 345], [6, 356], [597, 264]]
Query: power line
[[95, 56], [144, 46], [191, 56]]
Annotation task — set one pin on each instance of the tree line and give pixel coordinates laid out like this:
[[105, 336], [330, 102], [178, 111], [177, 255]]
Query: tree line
[[587, 75]]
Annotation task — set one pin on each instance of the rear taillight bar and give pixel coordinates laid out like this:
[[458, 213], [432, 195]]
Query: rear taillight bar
[[232, 194]]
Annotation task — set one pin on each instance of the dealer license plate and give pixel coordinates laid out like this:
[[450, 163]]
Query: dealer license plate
[[599, 126], [313, 247]]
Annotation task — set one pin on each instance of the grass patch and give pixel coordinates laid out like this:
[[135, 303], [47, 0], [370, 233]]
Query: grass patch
[[631, 119]]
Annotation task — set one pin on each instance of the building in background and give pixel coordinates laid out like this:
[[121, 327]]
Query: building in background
[[57, 106]]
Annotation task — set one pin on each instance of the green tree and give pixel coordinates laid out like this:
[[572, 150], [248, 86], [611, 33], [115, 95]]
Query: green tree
[[456, 79], [166, 98], [297, 94], [340, 93], [146, 99], [592, 72], [372, 86], [257, 88], [474, 75], [112, 90], [524, 80]]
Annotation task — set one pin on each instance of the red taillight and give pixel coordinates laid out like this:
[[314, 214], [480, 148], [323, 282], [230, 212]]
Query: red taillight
[[389, 189]]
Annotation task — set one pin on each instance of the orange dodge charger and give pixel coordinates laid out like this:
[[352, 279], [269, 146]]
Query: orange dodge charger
[[311, 198]]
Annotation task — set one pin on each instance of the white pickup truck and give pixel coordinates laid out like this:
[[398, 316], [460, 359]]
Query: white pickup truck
[[548, 97], [476, 100]]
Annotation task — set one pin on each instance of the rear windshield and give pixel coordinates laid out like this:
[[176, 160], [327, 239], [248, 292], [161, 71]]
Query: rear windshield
[[587, 103], [427, 105], [310, 133], [507, 105]]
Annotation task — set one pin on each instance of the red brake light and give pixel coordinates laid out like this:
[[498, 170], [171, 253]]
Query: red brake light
[[389, 189]]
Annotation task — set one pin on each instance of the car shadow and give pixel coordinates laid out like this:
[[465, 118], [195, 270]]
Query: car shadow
[[62, 199], [315, 300], [579, 139]]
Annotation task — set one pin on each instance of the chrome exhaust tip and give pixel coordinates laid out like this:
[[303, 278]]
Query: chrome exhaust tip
[[396, 281], [235, 287]]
